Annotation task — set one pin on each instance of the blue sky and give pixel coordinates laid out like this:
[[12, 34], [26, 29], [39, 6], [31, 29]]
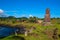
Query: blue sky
[[19, 8]]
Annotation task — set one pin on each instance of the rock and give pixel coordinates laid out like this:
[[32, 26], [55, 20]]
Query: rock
[[26, 33]]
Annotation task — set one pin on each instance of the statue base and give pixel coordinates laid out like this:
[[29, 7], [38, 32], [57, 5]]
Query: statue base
[[46, 23]]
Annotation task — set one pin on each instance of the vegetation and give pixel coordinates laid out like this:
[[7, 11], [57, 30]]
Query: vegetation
[[39, 33]]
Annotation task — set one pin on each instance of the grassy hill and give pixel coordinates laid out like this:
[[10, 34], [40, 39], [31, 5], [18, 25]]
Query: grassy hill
[[40, 33]]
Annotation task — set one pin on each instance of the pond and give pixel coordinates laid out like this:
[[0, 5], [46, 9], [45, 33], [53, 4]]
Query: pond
[[6, 31]]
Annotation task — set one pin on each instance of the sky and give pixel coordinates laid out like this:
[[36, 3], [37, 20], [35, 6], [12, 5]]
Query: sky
[[20, 8]]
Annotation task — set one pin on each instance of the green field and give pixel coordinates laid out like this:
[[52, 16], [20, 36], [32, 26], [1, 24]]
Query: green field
[[39, 33]]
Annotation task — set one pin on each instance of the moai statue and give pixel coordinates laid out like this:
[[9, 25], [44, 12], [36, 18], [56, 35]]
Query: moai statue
[[47, 17]]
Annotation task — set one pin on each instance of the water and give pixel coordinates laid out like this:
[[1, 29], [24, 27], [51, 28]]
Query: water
[[6, 31]]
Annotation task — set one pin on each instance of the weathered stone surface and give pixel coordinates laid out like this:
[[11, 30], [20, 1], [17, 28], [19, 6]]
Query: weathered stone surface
[[46, 21], [47, 16]]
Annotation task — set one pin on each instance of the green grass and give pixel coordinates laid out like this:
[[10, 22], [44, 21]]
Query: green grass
[[39, 31]]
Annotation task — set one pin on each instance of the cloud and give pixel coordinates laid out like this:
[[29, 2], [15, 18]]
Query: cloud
[[1, 11], [30, 15]]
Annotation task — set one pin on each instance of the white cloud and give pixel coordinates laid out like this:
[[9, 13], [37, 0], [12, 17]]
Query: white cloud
[[30, 15], [1, 11]]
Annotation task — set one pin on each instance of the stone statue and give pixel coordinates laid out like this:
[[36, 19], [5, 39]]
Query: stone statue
[[47, 18]]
